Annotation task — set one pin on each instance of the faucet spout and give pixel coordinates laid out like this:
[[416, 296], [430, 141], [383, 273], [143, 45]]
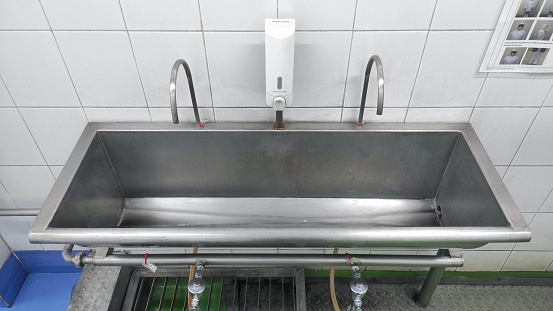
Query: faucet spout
[[173, 92], [380, 76]]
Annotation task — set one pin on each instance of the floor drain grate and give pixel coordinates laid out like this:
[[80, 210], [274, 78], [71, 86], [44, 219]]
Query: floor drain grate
[[222, 293]]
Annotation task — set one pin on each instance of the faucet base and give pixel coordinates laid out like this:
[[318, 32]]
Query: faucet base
[[279, 125]]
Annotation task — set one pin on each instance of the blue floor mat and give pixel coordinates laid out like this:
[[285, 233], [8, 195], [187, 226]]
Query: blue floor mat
[[45, 292]]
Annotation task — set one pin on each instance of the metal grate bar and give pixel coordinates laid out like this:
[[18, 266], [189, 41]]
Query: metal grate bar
[[246, 294], [174, 294], [210, 293], [270, 294], [222, 293], [150, 294], [185, 304], [162, 294], [258, 292], [234, 294], [282, 294], [140, 288]]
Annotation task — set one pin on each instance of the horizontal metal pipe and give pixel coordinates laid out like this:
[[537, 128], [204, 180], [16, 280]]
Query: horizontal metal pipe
[[276, 259], [18, 212]]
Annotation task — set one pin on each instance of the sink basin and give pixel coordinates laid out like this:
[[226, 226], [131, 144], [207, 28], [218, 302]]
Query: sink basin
[[311, 185]]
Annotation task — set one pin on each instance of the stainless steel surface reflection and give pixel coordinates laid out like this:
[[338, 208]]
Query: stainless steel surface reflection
[[311, 185]]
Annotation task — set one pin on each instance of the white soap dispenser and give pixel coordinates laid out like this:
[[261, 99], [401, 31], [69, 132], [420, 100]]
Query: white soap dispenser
[[279, 65]]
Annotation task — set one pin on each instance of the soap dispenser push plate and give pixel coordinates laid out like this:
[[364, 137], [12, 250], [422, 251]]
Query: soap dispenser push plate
[[279, 62]]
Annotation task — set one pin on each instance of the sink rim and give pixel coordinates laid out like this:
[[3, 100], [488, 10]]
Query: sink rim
[[455, 236]]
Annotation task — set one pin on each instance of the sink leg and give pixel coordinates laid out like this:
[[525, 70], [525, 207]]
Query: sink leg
[[422, 299]]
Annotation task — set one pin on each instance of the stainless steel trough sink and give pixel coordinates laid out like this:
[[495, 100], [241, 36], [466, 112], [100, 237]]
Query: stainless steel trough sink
[[311, 185]]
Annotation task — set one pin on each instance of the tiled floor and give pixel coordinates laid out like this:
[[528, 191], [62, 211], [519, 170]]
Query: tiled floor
[[45, 292]]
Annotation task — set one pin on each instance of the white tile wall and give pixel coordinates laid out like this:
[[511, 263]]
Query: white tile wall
[[547, 206], [161, 15], [185, 115], [531, 261], [240, 82], [117, 114], [502, 130], [56, 170], [28, 186], [476, 260], [34, 71], [498, 92], [537, 147], [15, 231], [400, 52], [394, 14], [542, 231], [56, 130], [114, 59], [501, 169], [84, 15], [4, 251], [317, 53], [22, 15], [529, 185], [389, 115], [18, 146], [245, 15], [6, 201], [155, 55], [313, 115], [466, 15], [103, 68], [5, 97], [448, 75], [245, 114], [445, 115], [319, 14]]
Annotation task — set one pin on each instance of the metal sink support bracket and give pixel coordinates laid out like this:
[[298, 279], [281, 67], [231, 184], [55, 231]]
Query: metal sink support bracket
[[173, 92], [380, 76]]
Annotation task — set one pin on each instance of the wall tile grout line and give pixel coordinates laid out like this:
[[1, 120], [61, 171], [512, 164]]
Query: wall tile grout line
[[34, 140], [349, 61], [507, 259], [28, 129], [524, 137], [420, 61], [546, 198], [478, 97], [549, 266], [64, 64], [206, 62], [260, 107], [9, 195], [243, 30], [135, 61], [2, 240]]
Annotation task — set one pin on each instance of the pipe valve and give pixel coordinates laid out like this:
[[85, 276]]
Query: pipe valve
[[358, 287], [196, 286]]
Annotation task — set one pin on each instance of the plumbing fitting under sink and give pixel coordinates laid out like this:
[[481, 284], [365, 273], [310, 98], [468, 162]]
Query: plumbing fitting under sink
[[196, 287], [358, 287]]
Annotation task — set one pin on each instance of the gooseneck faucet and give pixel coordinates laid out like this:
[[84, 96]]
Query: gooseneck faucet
[[173, 92], [380, 77]]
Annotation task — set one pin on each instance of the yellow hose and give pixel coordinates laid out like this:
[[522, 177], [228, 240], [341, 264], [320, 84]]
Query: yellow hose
[[332, 289], [190, 277]]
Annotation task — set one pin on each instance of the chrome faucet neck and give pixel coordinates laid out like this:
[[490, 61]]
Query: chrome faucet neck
[[380, 76], [173, 92]]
